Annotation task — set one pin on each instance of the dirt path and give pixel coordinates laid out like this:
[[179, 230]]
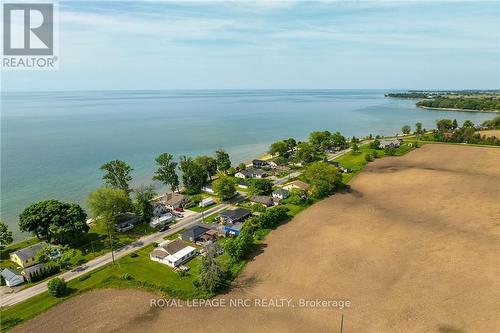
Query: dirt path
[[414, 247]]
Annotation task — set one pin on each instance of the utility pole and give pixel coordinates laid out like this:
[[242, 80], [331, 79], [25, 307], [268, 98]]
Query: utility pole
[[342, 323], [111, 244]]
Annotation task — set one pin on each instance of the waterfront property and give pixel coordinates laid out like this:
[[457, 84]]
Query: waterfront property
[[251, 173], [126, 221], [173, 253], [259, 163], [232, 229], [173, 200], [297, 185], [390, 143], [27, 257], [12, 278]]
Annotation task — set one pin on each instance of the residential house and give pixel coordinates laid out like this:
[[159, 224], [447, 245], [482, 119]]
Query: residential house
[[208, 188], [297, 185], [126, 221], [262, 199], [161, 220], [194, 233], [159, 209], [173, 200], [235, 216], [29, 271], [251, 173], [207, 202], [259, 163], [390, 143], [12, 278], [173, 253], [272, 164], [27, 257], [281, 194]]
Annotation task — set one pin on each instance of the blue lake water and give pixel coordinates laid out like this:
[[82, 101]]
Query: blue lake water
[[54, 142]]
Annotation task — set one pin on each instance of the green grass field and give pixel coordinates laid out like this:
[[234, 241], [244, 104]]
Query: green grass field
[[145, 273]]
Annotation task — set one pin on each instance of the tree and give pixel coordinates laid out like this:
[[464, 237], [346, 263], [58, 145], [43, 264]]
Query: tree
[[209, 164], [279, 148], [418, 128], [224, 187], [117, 175], [291, 143], [143, 206], [320, 140], [355, 147], [323, 178], [406, 129], [468, 123], [242, 166], [338, 140], [106, 204], [52, 219], [193, 175], [260, 187], [305, 152], [211, 273], [5, 236], [455, 124], [368, 158], [57, 287], [272, 217], [239, 247], [354, 140], [231, 171], [223, 160], [375, 144], [390, 151], [166, 171], [444, 125]]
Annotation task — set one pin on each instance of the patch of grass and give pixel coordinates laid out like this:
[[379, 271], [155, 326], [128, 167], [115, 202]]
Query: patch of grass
[[199, 209], [145, 273]]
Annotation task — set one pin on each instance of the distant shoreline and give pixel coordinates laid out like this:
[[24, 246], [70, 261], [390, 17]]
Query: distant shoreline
[[454, 109]]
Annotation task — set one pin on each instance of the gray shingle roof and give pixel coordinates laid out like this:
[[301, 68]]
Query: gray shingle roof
[[29, 252]]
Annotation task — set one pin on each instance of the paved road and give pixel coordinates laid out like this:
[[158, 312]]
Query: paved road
[[11, 299]]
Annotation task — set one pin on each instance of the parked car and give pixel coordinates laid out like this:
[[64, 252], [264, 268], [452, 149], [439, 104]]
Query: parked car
[[164, 228], [180, 209]]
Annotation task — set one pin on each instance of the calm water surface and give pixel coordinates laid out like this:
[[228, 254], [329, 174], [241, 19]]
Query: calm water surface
[[54, 142]]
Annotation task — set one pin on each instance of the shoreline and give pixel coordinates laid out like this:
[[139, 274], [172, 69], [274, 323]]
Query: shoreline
[[453, 109]]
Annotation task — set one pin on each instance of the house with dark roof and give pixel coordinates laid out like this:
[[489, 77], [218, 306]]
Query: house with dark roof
[[251, 173], [173, 253], [259, 163], [12, 278], [262, 199], [27, 257], [194, 233], [236, 215], [126, 221]]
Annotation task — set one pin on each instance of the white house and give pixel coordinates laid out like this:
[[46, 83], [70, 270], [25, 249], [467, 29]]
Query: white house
[[390, 143], [280, 194], [173, 253], [12, 278], [159, 209], [208, 188], [207, 202], [164, 219]]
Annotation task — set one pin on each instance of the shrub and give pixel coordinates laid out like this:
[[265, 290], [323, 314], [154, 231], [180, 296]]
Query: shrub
[[57, 287], [127, 276], [134, 255], [155, 244]]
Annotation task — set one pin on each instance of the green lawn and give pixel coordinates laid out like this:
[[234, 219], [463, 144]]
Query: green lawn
[[144, 272], [199, 209]]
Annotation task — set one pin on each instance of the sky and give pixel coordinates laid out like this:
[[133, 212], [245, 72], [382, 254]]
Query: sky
[[122, 45]]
